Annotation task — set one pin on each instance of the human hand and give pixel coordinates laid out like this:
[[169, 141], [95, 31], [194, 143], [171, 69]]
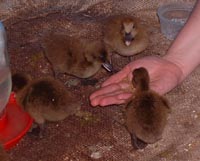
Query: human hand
[[164, 76]]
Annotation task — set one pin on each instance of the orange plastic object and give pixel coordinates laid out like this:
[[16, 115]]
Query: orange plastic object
[[14, 123]]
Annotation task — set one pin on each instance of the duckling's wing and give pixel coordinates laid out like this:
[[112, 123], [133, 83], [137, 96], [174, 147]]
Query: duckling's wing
[[56, 50], [147, 117]]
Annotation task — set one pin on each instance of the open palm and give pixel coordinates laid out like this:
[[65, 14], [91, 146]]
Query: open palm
[[164, 76]]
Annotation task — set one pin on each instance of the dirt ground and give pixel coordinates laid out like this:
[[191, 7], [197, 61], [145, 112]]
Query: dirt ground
[[99, 134]]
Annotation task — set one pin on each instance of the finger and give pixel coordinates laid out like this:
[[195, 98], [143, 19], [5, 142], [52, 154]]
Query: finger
[[119, 99], [109, 89], [111, 98], [124, 96], [119, 94], [104, 90], [112, 101], [116, 78]]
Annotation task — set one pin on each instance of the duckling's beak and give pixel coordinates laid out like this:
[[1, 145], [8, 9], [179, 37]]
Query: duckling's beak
[[137, 143], [108, 66], [128, 39]]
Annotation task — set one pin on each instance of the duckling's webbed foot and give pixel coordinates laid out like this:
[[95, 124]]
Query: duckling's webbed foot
[[41, 132], [109, 68], [137, 143], [89, 81], [38, 131]]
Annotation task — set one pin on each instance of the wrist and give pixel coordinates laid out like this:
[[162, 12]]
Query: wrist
[[186, 59], [176, 67]]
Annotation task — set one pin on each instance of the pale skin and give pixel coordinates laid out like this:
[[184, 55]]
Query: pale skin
[[165, 72]]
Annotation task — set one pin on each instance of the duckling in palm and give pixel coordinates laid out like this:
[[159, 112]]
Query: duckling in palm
[[47, 99], [146, 113], [75, 56], [125, 35]]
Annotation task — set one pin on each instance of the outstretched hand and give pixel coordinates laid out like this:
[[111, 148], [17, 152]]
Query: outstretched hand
[[164, 76]]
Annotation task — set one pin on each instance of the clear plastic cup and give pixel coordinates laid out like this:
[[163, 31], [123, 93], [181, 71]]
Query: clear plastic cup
[[5, 75], [172, 18]]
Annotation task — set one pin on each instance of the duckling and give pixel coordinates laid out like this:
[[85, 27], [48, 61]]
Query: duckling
[[125, 35], [47, 99], [75, 56], [3, 154], [146, 113]]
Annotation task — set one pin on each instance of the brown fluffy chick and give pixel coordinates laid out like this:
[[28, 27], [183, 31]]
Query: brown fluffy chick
[[47, 99], [3, 154], [75, 56], [125, 35], [146, 113]]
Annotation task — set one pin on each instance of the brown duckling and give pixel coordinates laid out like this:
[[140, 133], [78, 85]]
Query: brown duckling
[[47, 99], [125, 35], [146, 113], [75, 56]]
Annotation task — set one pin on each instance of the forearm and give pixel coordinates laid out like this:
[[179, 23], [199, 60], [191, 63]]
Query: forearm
[[185, 50]]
